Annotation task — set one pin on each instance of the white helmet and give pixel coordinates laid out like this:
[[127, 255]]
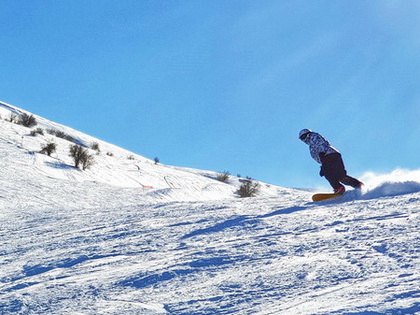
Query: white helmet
[[303, 133]]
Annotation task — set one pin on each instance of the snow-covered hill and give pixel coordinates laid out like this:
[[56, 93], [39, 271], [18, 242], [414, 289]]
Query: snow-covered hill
[[131, 237], [112, 165]]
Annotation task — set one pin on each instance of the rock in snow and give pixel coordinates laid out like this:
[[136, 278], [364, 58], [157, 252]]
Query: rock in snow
[[130, 237]]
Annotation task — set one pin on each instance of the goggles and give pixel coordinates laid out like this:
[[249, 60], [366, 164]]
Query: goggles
[[304, 136]]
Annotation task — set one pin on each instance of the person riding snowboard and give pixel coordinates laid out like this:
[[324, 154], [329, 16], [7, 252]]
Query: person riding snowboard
[[332, 166]]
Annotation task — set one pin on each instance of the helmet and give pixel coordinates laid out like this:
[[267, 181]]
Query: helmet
[[303, 133]]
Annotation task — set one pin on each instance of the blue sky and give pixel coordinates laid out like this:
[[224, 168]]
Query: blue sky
[[224, 85]]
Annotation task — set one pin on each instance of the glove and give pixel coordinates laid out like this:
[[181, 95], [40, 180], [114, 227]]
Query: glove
[[321, 172]]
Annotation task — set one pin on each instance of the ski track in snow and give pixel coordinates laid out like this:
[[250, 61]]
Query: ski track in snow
[[98, 242]]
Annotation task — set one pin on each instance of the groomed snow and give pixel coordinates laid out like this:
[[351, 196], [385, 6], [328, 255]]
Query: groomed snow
[[132, 237]]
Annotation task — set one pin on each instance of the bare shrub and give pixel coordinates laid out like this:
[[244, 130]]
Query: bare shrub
[[87, 161], [95, 146], [61, 134], [223, 177], [249, 188], [48, 148], [13, 118], [65, 136], [81, 157], [27, 120], [37, 131]]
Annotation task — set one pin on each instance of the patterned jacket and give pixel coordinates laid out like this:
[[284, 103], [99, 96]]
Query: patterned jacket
[[317, 144]]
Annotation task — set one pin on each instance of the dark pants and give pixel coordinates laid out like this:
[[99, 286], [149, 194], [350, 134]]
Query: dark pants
[[334, 171]]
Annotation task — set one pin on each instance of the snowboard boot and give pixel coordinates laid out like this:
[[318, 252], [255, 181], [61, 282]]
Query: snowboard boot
[[340, 190]]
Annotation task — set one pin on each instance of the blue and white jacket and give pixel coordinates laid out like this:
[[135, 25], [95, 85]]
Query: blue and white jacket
[[317, 144]]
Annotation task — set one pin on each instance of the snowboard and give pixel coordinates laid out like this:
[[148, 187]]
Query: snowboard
[[325, 196]]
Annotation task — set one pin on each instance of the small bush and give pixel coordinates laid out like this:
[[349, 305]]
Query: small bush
[[27, 120], [95, 146], [65, 136], [60, 134], [110, 154], [249, 188], [81, 157], [13, 118], [87, 161], [37, 131], [48, 148], [223, 177]]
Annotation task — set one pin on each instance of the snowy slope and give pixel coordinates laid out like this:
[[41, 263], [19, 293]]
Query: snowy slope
[[112, 166], [100, 242]]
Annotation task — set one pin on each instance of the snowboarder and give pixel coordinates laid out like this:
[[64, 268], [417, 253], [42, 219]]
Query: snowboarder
[[332, 166]]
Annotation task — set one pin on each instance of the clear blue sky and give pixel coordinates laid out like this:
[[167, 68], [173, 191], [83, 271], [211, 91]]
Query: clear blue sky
[[224, 84]]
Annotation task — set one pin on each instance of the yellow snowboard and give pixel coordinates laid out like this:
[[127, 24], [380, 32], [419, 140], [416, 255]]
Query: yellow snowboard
[[325, 196]]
